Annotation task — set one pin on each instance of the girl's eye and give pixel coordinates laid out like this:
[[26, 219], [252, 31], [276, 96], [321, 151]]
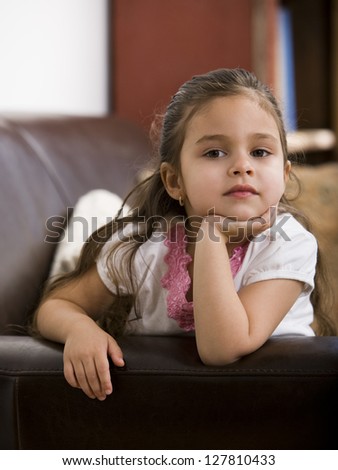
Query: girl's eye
[[260, 153], [214, 153]]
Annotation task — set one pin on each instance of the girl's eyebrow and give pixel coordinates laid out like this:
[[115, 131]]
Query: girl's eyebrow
[[211, 138], [219, 137], [265, 136]]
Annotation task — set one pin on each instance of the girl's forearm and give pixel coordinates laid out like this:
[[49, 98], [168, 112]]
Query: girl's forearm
[[56, 318], [221, 322]]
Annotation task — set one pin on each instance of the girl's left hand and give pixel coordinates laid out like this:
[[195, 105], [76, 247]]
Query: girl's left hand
[[241, 230]]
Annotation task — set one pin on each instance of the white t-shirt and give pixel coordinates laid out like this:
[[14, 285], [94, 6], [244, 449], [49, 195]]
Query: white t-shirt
[[285, 251]]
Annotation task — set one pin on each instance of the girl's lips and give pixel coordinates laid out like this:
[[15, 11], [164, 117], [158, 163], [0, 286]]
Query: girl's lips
[[241, 191], [241, 194]]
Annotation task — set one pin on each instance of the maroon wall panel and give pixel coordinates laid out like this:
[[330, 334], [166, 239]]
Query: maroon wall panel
[[158, 44]]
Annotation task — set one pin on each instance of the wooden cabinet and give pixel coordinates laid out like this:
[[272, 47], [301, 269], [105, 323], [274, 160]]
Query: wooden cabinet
[[314, 42]]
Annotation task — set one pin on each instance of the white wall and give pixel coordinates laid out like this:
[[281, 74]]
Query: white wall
[[54, 56]]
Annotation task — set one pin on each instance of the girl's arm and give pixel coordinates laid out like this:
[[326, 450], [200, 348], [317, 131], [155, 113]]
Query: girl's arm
[[68, 316], [228, 324]]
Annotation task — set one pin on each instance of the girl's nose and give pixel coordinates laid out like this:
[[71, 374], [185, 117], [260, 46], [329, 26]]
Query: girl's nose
[[241, 166]]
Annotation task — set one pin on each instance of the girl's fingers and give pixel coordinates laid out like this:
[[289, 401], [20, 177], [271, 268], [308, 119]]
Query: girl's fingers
[[103, 373], [265, 221], [94, 378], [84, 376], [76, 377], [87, 378], [91, 372], [115, 353], [69, 374]]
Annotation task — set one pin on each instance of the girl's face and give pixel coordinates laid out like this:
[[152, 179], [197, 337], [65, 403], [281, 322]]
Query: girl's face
[[231, 161]]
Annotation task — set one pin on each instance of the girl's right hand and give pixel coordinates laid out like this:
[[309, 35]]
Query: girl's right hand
[[86, 364]]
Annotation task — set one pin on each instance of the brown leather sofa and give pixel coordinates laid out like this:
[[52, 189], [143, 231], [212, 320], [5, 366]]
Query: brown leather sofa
[[284, 396]]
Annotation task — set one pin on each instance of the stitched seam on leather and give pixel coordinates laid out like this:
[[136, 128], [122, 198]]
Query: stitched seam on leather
[[238, 371], [171, 373], [24, 371], [206, 371]]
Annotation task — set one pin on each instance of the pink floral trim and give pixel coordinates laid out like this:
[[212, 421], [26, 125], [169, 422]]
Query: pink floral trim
[[177, 280], [237, 257]]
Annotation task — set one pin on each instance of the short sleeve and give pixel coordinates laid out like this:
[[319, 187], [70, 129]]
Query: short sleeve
[[147, 263], [108, 262], [293, 256]]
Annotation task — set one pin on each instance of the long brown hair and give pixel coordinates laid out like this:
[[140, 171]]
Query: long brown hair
[[150, 202]]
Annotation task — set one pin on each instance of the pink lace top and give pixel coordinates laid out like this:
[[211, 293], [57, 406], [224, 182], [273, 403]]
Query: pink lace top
[[177, 280]]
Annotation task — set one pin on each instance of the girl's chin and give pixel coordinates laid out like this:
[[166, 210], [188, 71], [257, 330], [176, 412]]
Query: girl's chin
[[246, 216], [241, 215]]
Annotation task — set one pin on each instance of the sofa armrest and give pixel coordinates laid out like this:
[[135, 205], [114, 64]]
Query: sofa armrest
[[283, 396]]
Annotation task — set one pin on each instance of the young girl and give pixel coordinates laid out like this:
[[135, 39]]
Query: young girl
[[210, 245]]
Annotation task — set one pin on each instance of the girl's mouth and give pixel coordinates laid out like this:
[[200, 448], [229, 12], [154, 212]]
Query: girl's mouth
[[241, 191]]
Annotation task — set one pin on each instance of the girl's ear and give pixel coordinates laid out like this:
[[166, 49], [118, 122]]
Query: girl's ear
[[287, 170], [171, 180]]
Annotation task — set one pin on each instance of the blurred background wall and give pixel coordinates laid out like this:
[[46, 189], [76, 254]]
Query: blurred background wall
[[289, 44], [158, 45], [129, 56], [54, 56]]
